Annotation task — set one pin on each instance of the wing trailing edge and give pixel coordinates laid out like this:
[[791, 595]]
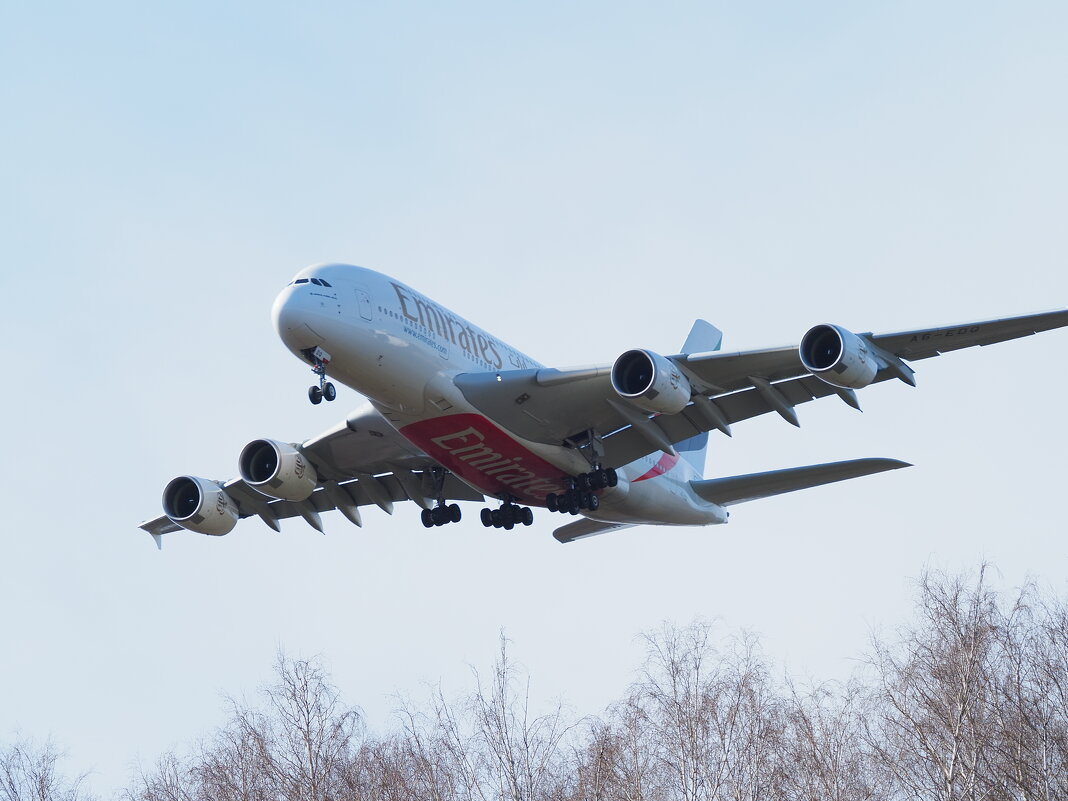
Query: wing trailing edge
[[751, 487]]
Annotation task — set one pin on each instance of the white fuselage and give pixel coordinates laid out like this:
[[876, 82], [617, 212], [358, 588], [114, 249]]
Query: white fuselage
[[403, 351]]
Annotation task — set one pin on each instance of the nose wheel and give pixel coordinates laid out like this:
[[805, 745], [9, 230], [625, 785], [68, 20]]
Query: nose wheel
[[325, 391]]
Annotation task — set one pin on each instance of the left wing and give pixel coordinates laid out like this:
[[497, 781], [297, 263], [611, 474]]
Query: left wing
[[362, 461], [567, 406]]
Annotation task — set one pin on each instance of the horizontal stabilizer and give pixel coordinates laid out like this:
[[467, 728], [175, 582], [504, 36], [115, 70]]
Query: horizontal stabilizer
[[739, 489], [586, 528]]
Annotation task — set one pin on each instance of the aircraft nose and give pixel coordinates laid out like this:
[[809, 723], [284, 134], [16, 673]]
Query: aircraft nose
[[291, 313]]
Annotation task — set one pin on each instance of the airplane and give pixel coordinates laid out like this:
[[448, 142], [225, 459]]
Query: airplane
[[455, 414]]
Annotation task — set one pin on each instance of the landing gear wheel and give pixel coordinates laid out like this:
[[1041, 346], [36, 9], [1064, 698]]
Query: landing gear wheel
[[315, 395], [613, 477], [574, 506], [495, 518], [594, 504], [454, 513], [487, 517], [440, 515], [427, 516], [528, 516], [551, 501], [329, 392]]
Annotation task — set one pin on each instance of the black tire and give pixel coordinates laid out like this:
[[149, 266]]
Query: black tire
[[454, 513], [550, 501], [509, 525], [528, 516], [329, 392], [595, 503], [427, 516], [613, 477], [574, 506], [600, 479], [495, 518], [315, 395], [583, 481], [487, 517]]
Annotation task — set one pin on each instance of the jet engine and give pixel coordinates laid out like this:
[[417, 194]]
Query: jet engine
[[278, 470], [838, 357], [199, 505], [651, 382]]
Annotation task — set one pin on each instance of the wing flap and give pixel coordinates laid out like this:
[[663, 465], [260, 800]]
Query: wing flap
[[751, 487]]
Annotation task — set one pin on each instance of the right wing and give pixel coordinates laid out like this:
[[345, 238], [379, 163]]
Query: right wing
[[362, 461], [561, 406]]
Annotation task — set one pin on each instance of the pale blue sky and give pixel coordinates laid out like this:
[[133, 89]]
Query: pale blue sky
[[579, 178]]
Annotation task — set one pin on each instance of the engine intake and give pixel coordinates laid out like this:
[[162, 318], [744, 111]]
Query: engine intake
[[199, 505], [278, 470], [651, 382], [838, 357]]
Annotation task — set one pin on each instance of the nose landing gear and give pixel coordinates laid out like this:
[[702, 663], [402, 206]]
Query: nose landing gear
[[325, 391]]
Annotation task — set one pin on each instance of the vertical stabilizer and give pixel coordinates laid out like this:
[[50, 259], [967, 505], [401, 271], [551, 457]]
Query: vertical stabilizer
[[704, 337]]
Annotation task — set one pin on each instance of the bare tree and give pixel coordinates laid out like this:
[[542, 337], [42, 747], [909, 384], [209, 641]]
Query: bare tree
[[824, 755], [934, 728], [520, 755], [30, 772], [302, 737]]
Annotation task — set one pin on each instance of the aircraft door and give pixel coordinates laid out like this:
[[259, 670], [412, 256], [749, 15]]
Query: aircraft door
[[363, 301]]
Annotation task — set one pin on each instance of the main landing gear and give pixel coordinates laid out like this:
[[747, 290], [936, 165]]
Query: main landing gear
[[508, 516], [325, 391], [580, 493], [440, 515]]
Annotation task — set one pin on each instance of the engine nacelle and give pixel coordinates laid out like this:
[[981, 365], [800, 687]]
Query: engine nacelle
[[278, 470], [838, 357], [650, 382], [200, 505]]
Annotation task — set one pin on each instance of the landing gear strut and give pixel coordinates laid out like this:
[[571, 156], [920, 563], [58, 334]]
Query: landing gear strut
[[508, 516], [580, 492], [325, 391]]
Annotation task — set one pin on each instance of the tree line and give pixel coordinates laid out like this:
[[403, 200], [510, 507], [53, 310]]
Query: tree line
[[968, 701]]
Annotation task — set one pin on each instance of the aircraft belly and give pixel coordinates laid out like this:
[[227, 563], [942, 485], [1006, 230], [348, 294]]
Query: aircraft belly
[[487, 457]]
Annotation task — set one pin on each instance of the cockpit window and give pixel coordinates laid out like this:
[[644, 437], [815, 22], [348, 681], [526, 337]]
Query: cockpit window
[[317, 282], [301, 281], [324, 282]]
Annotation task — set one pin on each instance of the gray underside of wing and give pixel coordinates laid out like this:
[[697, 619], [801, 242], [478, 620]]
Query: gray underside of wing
[[586, 528], [362, 461], [739, 489]]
